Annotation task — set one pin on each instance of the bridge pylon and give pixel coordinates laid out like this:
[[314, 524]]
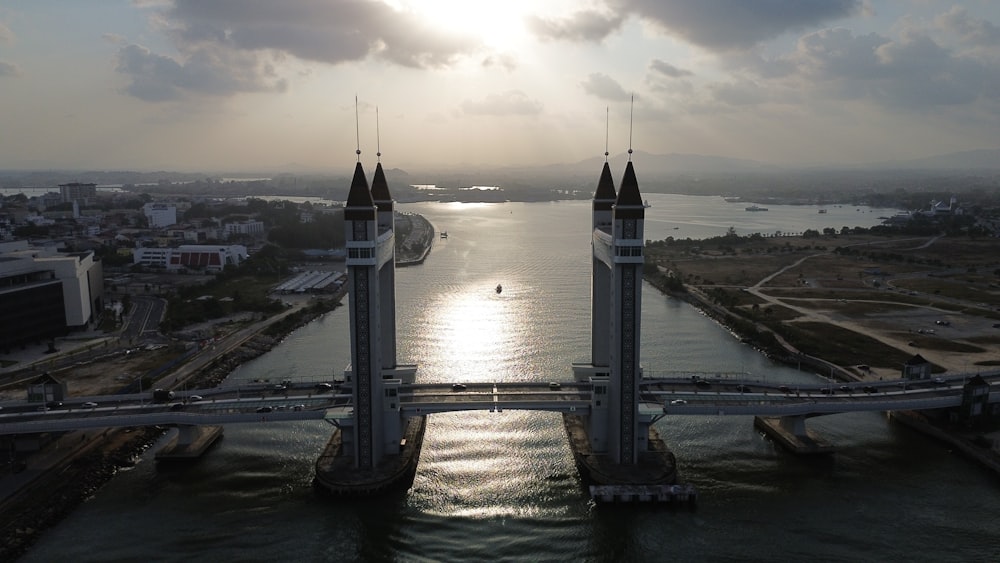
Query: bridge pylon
[[374, 439], [618, 426]]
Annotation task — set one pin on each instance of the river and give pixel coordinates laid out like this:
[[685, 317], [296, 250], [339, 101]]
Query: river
[[502, 486]]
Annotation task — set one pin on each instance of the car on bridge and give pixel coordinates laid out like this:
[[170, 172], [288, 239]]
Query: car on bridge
[[784, 389], [743, 388], [264, 409], [89, 405], [869, 389], [702, 383], [555, 385], [194, 398], [458, 387]]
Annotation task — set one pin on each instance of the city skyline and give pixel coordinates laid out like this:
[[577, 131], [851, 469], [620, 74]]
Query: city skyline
[[254, 85]]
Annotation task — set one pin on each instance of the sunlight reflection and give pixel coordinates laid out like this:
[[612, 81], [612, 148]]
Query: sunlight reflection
[[476, 328]]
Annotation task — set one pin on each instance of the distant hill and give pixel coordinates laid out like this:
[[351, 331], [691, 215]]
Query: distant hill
[[982, 159]]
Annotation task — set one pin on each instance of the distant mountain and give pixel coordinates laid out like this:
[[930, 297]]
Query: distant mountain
[[982, 159]]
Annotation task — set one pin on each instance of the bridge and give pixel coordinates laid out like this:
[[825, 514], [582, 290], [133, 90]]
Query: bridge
[[692, 394], [378, 411]]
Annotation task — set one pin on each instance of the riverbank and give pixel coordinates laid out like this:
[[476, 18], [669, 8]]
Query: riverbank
[[980, 447], [68, 470]]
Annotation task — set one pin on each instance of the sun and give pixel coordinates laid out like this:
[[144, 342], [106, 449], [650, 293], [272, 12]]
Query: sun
[[500, 25]]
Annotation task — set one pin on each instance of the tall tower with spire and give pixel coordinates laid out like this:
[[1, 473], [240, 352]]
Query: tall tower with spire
[[616, 427], [376, 427]]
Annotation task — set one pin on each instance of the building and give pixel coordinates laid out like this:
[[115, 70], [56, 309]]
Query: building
[[75, 191], [160, 215], [244, 228], [45, 293], [208, 257]]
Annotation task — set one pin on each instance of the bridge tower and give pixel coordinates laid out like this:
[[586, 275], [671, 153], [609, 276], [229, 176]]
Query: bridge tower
[[616, 426], [376, 427]]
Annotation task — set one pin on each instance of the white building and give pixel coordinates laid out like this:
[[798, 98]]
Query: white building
[[45, 293], [160, 214], [249, 228], [206, 257]]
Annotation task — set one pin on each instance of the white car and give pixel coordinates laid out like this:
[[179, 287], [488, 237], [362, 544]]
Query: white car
[[678, 402]]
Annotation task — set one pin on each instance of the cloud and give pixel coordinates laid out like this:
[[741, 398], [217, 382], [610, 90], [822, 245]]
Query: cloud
[[586, 25], [667, 69], [328, 32], [511, 102], [114, 38], [504, 61], [9, 69], [604, 87], [6, 35], [157, 78], [972, 31], [735, 24]]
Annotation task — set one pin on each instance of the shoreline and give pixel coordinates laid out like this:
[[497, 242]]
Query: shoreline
[[988, 458]]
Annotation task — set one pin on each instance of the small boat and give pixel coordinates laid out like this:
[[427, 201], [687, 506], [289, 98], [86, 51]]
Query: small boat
[[822, 210], [756, 207], [444, 234], [499, 288]]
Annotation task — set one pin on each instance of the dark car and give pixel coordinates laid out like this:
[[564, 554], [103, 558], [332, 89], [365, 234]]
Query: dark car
[[743, 388], [177, 407], [826, 390], [869, 389], [458, 387], [702, 383], [784, 389], [53, 404], [264, 409], [846, 389], [324, 387]]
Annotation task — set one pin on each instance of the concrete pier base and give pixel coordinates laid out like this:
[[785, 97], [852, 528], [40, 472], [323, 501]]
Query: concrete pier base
[[656, 466], [190, 443], [792, 434], [336, 474]]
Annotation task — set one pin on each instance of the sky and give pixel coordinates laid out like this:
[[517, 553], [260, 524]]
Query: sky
[[261, 85]]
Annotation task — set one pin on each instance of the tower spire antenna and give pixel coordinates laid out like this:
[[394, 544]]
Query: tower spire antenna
[[378, 140], [631, 108], [357, 128], [607, 126]]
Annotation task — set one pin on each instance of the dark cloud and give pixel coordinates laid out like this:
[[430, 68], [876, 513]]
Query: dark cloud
[[604, 87], [511, 102], [735, 24], [587, 25], [911, 72], [328, 32], [158, 78], [9, 69], [223, 45], [666, 69]]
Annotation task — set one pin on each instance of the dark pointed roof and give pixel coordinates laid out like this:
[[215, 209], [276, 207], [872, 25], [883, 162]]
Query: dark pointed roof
[[380, 190], [916, 360], [359, 200], [604, 197], [629, 204]]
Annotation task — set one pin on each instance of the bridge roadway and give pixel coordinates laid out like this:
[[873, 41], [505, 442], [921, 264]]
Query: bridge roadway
[[691, 395]]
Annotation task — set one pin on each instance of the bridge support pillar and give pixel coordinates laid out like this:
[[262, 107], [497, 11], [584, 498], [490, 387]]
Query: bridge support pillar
[[190, 442], [791, 433]]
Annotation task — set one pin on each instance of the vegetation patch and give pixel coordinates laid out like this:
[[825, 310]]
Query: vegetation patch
[[839, 345]]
